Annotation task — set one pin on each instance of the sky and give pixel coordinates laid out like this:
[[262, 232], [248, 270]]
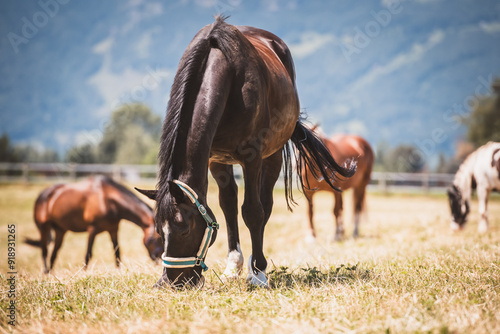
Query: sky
[[393, 71]]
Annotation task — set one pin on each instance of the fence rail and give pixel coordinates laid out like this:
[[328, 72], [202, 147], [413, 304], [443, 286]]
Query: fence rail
[[64, 172]]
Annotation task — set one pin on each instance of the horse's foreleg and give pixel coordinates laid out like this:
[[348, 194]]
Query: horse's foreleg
[[337, 212], [482, 196], [92, 233], [113, 233], [228, 200], [310, 234], [57, 244], [254, 217]]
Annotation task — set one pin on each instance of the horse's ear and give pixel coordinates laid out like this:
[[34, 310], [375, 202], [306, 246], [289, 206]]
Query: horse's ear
[[175, 191], [149, 193]]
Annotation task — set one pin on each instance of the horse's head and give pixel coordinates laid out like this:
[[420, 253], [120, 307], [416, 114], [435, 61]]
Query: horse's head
[[153, 243], [459, 208], [185, 228]]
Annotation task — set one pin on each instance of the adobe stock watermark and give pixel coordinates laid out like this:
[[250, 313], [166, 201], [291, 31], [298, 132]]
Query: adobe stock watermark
[[150, 81], [426, 148], [31, 26], [364, 35], [226, 6]]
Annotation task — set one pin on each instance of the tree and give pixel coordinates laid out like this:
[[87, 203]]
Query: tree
[[6, 150], [24, 153], [483, 121], [403, 159], [83, 154], [132, 133]]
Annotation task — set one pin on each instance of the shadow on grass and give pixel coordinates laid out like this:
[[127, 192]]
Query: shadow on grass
[[284, 277]]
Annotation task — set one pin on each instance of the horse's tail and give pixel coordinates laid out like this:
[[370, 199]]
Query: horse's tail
[[312, 152], [32, 242]]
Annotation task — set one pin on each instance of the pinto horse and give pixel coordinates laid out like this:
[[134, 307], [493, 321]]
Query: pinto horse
[[480, 170], [343, 148], [233, 101], [94, 205]]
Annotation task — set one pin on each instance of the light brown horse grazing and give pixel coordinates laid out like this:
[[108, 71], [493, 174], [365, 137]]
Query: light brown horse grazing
[[342, 148], [94, 205]]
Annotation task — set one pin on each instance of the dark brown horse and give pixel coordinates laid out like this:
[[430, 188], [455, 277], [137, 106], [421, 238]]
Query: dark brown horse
[[343, 148], [233, 101], [94, 205]]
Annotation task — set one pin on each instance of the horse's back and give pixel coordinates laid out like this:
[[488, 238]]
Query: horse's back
[[345, 148], [263, 103], [71, 206], [486, 168]]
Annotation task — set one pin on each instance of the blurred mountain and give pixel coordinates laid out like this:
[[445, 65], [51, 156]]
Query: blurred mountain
[[392, 71]]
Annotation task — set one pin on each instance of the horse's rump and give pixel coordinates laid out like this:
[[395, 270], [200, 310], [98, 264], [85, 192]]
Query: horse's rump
[[41, 212]]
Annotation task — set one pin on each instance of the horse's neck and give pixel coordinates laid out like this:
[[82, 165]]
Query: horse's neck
[[133, 210], [194, 170], [463, 177]]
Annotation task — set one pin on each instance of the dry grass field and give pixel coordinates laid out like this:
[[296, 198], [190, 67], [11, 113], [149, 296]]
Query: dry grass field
[[407, 273]]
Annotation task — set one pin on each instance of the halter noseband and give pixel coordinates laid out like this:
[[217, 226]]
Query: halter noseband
[[199, 259]]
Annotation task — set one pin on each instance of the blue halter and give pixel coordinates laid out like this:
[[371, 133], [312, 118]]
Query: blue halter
[[199, 259]]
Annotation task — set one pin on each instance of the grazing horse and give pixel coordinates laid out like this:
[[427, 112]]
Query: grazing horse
[[94, 205], [343, 148], [233, 101], [481, 170]]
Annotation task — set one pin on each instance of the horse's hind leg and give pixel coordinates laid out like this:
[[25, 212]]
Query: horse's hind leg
[[310, 234], [57, 244], [44, 242], [228, 200], [337, 212], [359, 200]]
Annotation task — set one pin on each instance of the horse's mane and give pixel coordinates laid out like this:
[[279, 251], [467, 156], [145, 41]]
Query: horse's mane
[[122, 189], [185, 87]]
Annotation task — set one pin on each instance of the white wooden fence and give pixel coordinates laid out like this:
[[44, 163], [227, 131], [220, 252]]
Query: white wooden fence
[[146, 174]]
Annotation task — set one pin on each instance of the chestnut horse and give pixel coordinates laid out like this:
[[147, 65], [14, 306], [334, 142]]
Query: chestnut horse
[[343, 148], [233, 101], [480, 170], [94, 205]]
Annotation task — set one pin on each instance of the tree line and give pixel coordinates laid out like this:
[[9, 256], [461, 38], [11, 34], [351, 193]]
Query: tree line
[[132, 136]]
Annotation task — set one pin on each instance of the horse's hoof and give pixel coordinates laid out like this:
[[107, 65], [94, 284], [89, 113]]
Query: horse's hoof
[[231, 274], [259, 279], [337, 238], [455, 227], [234, 265], [483, 227], [310, 239]]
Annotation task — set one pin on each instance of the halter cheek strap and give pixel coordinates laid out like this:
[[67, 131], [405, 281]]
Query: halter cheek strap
[[199, 259]]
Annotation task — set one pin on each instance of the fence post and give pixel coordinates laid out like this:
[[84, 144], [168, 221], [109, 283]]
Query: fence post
[[383, 183], [425, 183], [26, 172], [72, 172], [117, 173]]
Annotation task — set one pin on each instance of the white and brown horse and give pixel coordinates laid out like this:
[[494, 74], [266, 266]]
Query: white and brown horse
[[343, 148], [480, 170]]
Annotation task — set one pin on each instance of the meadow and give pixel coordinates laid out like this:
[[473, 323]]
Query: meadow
[[407, 273]]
